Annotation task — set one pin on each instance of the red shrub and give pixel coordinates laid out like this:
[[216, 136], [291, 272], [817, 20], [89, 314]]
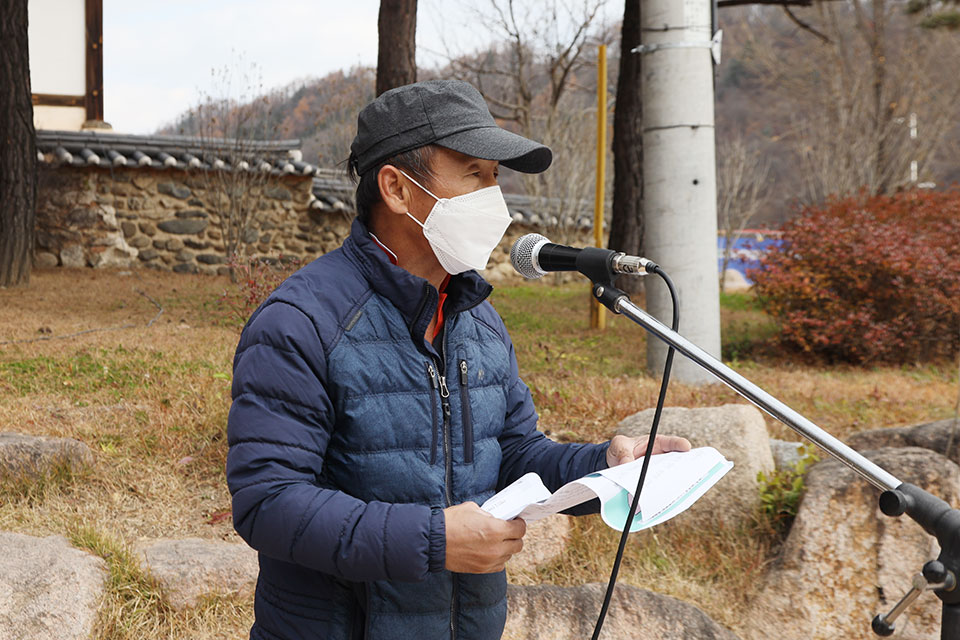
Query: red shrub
[[253, 281], [869, 279]]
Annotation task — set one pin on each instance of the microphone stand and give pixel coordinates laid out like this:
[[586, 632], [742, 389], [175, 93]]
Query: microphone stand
[[935, 516]]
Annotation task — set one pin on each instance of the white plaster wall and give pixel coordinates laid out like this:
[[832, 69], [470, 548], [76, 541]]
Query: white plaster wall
[[60, 118], [57, 35]]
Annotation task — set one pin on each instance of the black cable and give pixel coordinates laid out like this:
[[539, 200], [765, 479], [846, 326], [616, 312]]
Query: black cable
[[646, 457]]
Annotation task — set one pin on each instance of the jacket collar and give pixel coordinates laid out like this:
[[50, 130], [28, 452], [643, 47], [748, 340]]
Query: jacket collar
[[414, 297]]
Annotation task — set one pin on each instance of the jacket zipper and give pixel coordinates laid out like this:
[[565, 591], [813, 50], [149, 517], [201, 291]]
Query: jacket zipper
[[445, 406], [447, 445], [465, 413], [448, 463], [433, 412]]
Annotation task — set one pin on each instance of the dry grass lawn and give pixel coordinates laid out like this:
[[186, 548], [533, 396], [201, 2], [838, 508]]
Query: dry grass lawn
[[152, 402]]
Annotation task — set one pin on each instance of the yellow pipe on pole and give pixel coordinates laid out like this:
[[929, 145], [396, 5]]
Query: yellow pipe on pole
[[598, 316]]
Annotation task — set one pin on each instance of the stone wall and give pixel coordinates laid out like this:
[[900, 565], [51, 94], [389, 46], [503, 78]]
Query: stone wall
[[120, 217], [163, 219]]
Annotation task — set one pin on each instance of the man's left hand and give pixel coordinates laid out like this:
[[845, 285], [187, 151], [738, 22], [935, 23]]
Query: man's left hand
[[624, 449]]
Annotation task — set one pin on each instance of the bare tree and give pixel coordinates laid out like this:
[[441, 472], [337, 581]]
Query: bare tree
[[742, 188], [229, 121], [18, 153], [397, 46], [853, 95], [564, 197], [539, 79]]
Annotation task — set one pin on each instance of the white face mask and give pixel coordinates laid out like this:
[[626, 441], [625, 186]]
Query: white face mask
[[463, 231]]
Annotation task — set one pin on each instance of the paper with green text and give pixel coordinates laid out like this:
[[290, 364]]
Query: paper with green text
[[674, 482]]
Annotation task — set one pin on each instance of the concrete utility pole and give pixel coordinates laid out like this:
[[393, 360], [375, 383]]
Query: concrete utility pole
[[680, 176]]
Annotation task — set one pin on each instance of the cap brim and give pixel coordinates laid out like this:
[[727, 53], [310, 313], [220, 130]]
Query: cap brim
[[493, 143]]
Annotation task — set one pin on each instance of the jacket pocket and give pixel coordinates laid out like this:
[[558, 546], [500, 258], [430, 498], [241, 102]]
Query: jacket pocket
[[467, 419]]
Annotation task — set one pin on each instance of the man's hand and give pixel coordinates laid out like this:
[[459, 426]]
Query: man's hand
[[479, 543], [623, 449]]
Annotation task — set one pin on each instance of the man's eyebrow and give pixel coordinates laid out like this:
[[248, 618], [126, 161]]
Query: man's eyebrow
[[475, 164]]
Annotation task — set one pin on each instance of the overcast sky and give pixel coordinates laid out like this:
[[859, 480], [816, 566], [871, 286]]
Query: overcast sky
[[159, 54]]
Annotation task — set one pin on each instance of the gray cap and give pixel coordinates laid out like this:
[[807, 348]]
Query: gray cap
[[448, 113]]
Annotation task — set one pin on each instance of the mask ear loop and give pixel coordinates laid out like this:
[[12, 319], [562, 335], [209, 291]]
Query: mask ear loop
[[422, 226], [419, 185], [409, 215]]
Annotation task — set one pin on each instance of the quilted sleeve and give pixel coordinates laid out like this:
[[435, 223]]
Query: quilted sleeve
[[278, 429]]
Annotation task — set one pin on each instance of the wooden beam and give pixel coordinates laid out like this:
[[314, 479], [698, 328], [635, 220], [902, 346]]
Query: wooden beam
[[56, 100], [94, 29]]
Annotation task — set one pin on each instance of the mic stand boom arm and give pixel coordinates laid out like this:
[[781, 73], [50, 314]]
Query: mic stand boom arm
[[932, 513]]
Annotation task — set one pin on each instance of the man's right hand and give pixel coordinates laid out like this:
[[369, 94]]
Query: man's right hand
[[479, 543]]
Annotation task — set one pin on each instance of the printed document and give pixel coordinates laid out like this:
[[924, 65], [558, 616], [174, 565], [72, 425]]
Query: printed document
[[674, 482]]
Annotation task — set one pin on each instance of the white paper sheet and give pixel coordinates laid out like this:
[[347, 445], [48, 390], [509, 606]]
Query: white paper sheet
[[674, 482]]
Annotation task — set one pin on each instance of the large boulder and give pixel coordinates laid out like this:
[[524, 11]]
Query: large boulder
[[24, 457], [544, 540], [189, 569], [843, 561], [48, 589], [548, 612], [942, 436], [739, 432]]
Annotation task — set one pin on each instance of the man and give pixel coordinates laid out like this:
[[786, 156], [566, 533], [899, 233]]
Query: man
[[377, 400]]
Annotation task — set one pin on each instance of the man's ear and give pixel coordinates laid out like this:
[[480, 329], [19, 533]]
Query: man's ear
[[394, 190]]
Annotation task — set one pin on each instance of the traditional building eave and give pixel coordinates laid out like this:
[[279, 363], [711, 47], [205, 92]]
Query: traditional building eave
[[186, 153]]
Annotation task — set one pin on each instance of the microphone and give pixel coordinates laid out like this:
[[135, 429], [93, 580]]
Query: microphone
[[533, 256]]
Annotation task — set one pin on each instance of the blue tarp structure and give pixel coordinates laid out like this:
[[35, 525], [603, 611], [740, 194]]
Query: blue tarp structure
[[748, 247]]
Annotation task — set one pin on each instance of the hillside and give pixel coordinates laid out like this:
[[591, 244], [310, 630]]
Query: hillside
[[779, 93]]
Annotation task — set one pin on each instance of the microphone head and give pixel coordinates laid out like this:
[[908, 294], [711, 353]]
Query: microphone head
[[523, 255]]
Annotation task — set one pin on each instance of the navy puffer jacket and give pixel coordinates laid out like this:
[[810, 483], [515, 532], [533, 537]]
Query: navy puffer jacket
[[349, 434]]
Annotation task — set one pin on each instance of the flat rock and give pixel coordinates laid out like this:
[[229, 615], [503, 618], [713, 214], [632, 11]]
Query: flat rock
[[191, 568], [183, 226], [548, 612], [739, 432], [545, 540], [844, 561], [174, 189], [185, 267], [45, 260], [278, 192], [211, 258], [34, 456], [942, 436], [73, 256], [785, 454], [48, 589]]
